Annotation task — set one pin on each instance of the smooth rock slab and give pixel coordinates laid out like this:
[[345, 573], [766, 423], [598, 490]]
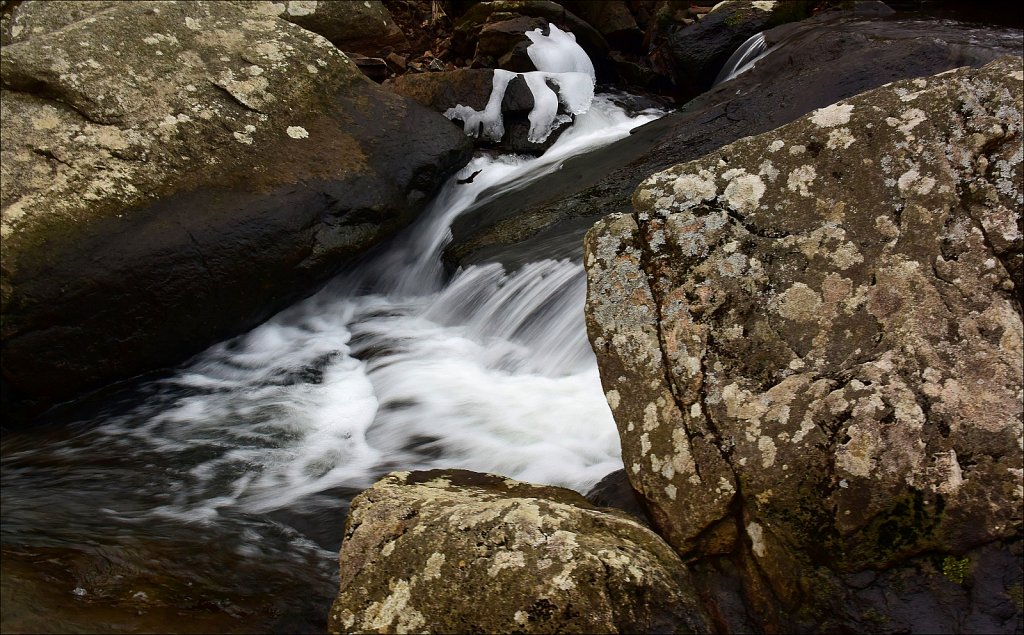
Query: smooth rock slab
[[451, 551]]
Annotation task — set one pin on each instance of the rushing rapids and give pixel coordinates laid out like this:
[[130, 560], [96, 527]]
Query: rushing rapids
[[238, 466]]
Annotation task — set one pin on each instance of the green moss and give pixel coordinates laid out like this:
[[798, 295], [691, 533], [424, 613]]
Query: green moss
[[1016, 593], [956, 569]]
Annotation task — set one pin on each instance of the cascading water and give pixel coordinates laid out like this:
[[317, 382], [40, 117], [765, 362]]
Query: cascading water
[[743, 58], [233, 473]]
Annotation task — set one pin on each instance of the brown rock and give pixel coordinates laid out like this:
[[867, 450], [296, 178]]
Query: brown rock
[[541, 559], [814, 335]]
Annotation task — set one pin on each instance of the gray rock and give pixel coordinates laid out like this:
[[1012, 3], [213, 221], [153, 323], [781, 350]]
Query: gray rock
[[174, 173], [452, 551], [811, 341]]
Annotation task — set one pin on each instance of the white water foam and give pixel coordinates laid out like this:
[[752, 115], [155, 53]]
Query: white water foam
[[391, 367]]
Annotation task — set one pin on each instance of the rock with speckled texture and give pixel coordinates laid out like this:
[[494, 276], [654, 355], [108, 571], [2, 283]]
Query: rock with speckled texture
[[811, 341], [175, 173], [451, 551]]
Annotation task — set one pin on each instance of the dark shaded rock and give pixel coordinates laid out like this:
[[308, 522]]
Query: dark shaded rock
[[466, 86], [819, 61], [373, 67], [193, 170], [365, 27], [615, 490], [697, 53], [417, 545], [499, 38], [787, 329], [613, 21], [468, 29]]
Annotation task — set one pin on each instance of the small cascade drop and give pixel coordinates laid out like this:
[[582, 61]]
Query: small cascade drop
[[743, 58]]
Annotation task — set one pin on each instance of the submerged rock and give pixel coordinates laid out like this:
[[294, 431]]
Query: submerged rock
[[174, 173], [451, 551], [811, 341]]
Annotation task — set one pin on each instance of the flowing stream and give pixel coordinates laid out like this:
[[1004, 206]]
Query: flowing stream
[[214, 498]]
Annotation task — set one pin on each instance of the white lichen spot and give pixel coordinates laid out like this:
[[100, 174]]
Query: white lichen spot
[[768, 170], [692, 189], [800, 179], [192, 24], [388, 549], [756, 533], [744, 192], [433, 567], [645, 443], [650, 417], [911, 118], [767, 447], [520, 617], [840, 139], [695, 410], [832, 116], [948, 471], [380, 616], [670, 490], [763, 5], [245, 136], [506, 560], [297, 132], [613, 399], [795, 150], [799, 303], [776, 145]]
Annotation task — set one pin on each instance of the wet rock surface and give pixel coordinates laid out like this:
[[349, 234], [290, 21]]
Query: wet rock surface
[[174, 173], [820, 61], [811, 341], [540, 559]]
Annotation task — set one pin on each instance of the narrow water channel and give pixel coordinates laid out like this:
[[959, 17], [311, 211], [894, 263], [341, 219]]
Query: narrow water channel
[[213, 499]]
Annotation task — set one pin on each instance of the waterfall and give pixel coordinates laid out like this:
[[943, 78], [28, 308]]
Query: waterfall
[[743, 58], [390, 366], [233, 473]]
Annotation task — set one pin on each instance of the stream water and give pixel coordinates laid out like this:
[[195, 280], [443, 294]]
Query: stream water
[[213, 499]]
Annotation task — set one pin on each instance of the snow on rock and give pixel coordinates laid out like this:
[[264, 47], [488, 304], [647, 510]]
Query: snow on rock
[[560, 61]]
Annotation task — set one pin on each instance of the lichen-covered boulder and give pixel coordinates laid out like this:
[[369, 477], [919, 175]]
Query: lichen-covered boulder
[[811, 342], [174, 173], [451, 551]]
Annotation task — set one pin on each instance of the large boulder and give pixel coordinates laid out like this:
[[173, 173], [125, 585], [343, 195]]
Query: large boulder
[[816, 62], [811, 341], [450, 551], [174, 173]]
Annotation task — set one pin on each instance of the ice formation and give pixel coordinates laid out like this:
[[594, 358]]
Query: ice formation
[[488, 123], [560, 61]]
